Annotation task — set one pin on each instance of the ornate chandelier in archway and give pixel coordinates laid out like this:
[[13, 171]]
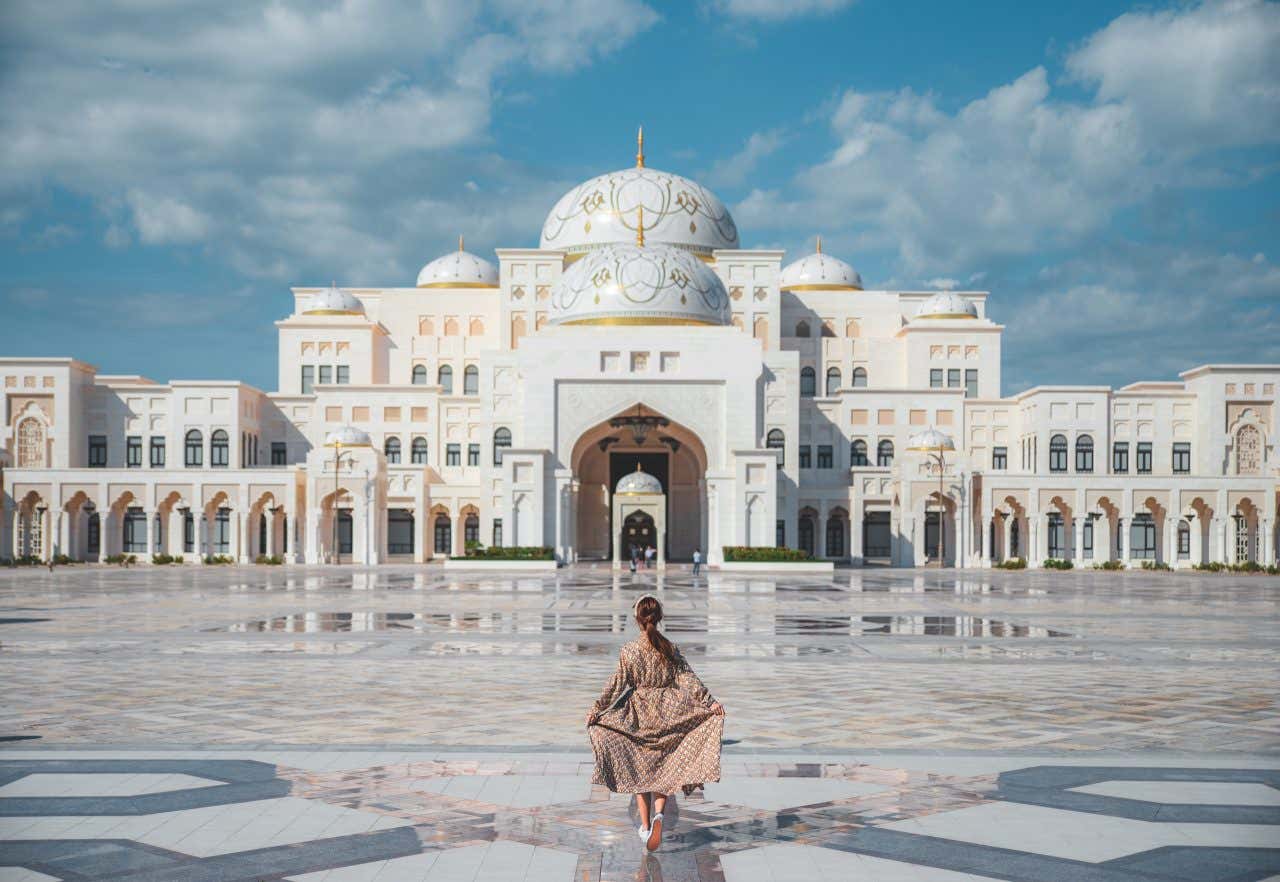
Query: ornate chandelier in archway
[[639, 423]]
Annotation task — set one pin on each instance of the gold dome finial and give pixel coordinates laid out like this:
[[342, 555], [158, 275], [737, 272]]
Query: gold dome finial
[[640, 225], [459, 241], [639, 468], [640, 147], [819, 244]]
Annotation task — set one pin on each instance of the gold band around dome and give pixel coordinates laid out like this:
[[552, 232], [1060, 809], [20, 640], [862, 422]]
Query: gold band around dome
[[640, 493], [820, 287], [948, 315], [573, 256], [344, 444], [332, 312], [639, 320], [459, 285]]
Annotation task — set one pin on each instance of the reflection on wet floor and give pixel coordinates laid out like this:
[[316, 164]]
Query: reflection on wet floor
[[537, 622]]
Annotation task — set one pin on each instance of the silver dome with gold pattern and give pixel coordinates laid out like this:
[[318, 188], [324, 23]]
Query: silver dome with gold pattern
[[623, 284], [604, 210]]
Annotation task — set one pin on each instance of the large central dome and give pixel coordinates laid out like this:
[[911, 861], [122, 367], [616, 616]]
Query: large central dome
[[604, 210]]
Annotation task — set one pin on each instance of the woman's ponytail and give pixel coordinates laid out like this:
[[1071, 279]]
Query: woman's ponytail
[[648, 615]]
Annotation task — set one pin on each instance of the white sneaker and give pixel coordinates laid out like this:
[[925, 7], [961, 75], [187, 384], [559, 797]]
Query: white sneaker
[[644, 834], [655, 833]]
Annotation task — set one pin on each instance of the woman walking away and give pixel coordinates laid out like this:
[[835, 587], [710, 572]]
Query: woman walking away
[[655, 727]]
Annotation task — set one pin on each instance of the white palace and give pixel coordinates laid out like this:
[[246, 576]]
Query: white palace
[[639, 379]]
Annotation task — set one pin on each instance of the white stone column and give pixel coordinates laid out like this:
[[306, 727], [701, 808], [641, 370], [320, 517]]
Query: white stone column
[[1036, 540], [819, 541], [1264, 524], [858, 517], [1123, 527], [986, 527], [1170, 543], [64, 534], [1077, 550], [1006, 539]]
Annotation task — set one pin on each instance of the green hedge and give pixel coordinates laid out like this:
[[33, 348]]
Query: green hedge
[[1056, 563], [1248, 566], [511, 552], [1013, 563], [1109, 565], [761, 554]]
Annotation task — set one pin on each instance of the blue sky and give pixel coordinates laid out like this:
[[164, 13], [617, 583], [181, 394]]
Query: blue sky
[[1109, 173]]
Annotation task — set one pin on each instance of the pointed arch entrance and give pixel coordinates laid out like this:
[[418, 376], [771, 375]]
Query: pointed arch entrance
[[673, 453]]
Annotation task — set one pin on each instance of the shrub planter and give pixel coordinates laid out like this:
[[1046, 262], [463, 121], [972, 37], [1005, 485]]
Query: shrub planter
[[776, 566], [491, 564]]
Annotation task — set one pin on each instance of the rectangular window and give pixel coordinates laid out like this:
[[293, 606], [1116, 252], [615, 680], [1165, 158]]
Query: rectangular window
[[326, 374], [780, 534], [279, 453], [453, 455], [157, 452], [97, 451], [473, 454], [1184, 540], [308, 378], [999, 458], [134, 540], [1182, 459], [133, 451], [344, 374], [1057, 536], [188, 532], [1120, 458], [806, 456], [824, 456], [935, 378], [1142, 537], [1087, 541], [497, 532], [970, 383], [953, 378], [1144, 458]]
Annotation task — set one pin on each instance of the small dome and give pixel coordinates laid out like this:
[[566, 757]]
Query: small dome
[[819, 272], [947, 305], [639, 285], [460, 269], [607, 208], [333, 301], [930, 441], [347, 436], [638, 482]]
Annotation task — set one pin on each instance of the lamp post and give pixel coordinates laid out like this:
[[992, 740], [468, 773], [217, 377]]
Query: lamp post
[[349, 437], [935, 445]]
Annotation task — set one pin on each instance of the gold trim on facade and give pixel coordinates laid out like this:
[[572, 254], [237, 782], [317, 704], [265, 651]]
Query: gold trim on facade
[[640, 320], [820, 287], [459, 285], [948, 315], [332, 312]]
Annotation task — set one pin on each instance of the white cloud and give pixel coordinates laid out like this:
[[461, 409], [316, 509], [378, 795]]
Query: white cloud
[[1024, 169], [734, 170], [942, 284], [775, 10], [162, 220], [292, 139]]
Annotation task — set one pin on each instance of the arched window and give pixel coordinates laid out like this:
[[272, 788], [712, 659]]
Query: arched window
[[1248, 451], [392, 449], [471, 380], [444, 379], [884, 453], [858, 453], [31, 446], [806, 535], [808, 382], [802, 329], [471, 531], [418, 451], [859, 378], [194, 449], [501, 441], [835, 537], [419, 375], [1084, 454], [1058, 453], [219, 449], [833, 380], [775, 441], [443, 534]]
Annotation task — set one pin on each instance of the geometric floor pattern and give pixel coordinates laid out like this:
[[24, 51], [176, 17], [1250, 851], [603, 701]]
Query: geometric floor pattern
[[400, 723], [537, 817]]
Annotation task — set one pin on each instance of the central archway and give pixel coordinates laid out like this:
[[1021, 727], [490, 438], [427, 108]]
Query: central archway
[[638, 533], [673, 454]]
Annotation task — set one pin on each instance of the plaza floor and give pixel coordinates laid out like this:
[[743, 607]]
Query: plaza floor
[[400, 723]]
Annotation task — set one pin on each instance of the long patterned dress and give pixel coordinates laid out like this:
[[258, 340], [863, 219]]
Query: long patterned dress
[[665, 735]]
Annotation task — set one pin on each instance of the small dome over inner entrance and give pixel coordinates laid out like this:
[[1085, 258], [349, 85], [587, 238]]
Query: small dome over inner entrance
[[638, 482]]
